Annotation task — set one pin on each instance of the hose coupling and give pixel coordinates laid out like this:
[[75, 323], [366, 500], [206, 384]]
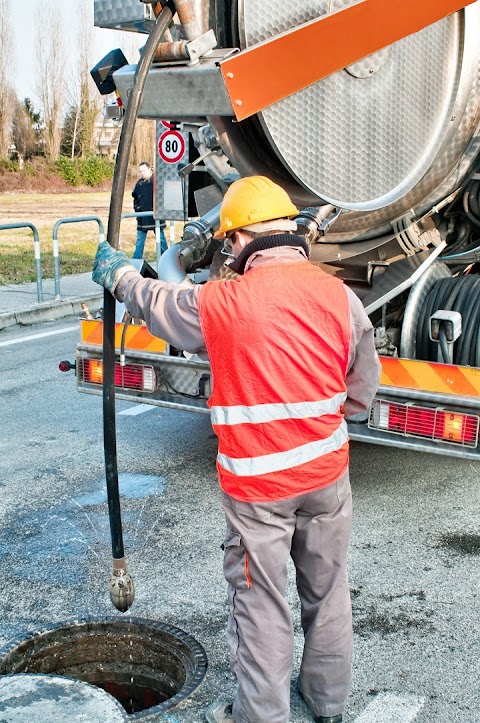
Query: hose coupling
[[314, 222], [121, 586], [198, 234]]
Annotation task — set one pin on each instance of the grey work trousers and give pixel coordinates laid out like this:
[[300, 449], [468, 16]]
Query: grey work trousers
[[314, 529]]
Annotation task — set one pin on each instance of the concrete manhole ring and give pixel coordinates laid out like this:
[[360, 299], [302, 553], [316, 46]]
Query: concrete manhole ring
[[148, 666]]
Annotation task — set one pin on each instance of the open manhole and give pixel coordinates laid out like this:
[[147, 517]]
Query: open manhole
[[147, 666]]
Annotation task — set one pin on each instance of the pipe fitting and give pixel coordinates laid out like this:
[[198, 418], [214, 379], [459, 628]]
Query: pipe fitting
[[121, 586], [313, 222], [175, 50], [181, 258], [172, 266], [186, 15]]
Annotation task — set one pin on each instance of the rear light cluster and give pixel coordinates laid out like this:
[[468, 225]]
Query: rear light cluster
[[425, 422], [130, 376]]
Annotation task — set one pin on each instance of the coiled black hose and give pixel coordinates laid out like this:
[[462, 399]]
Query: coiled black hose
[[453, 294], [471, 202], [464, 241]]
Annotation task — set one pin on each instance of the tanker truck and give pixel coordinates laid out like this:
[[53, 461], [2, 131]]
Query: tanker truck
[[368, 114]]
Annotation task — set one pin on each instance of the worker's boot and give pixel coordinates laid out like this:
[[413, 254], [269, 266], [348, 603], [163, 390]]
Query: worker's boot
[[220, 711]]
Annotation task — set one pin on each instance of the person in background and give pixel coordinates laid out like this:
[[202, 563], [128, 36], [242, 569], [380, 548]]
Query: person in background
[[143, 201], [292, 356]]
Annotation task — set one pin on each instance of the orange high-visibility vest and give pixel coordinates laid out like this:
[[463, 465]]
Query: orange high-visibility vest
[[278, 339]]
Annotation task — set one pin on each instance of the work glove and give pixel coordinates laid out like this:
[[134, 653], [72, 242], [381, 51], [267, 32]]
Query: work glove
[[109, 266]]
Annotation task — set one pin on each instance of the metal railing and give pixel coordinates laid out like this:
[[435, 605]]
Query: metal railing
[[80, 219], [56, 257], [159, 225], [36, 246]]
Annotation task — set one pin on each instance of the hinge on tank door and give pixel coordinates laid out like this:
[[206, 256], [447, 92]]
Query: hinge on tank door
[[417, 234]]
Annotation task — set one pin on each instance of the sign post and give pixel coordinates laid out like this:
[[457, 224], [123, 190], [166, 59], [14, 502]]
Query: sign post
[[171, 192]]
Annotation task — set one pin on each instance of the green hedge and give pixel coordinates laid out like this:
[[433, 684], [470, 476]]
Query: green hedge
[[6, 165], [88, 171], [68, 170]]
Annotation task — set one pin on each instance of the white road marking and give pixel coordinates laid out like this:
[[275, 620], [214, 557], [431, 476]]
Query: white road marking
[[137, 409], [392, 708], [32, 337]]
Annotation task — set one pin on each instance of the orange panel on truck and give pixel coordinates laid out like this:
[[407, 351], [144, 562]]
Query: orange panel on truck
[[297, 58], [136, 337], [430, 376]]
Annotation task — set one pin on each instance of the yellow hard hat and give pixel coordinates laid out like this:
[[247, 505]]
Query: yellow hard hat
[[252, 200]]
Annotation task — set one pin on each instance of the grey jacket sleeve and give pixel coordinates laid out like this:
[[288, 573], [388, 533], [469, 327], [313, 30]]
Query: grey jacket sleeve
[[170, 311], [364, 369]]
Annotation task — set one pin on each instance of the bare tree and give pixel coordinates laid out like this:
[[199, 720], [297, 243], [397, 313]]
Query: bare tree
[[88, 94], [69, 143], [7, 95], [143, 143], [51, 55]]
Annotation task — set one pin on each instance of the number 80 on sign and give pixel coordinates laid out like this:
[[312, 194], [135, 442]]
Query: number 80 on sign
[[171, 146]]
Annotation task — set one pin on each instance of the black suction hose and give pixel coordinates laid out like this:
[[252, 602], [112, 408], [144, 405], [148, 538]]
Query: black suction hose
[[121, 587], [460, 294]]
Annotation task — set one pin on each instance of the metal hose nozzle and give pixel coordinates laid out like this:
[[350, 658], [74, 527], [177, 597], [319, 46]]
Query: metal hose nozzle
[[121, 586]]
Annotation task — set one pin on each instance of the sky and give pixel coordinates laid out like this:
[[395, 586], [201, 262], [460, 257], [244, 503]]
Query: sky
[[24, 22]]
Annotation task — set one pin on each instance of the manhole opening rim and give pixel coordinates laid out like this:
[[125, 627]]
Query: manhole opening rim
[[193, 680]]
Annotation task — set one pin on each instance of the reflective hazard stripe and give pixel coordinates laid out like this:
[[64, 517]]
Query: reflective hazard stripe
[[253, 466], [260, 413], [136, 337], [430, 376]]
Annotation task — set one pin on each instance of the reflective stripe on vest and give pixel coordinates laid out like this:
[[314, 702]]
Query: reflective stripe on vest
[[252, 466], [273, 412]]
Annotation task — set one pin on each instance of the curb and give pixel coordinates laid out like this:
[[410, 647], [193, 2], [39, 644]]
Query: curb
[[50, 311]]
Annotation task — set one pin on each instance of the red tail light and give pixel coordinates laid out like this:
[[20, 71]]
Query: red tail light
[[130, 376], [426, 422], [66, 366]]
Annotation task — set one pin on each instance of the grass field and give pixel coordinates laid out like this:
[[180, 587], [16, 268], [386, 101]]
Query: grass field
[[77, 241]]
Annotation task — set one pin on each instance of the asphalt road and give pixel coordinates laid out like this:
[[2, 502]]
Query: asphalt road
[[414, 558]]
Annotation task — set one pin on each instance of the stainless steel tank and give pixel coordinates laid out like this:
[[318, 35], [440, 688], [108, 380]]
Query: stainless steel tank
[[396, 131]]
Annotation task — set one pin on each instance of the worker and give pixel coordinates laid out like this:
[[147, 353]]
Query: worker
[[143, 201], [292, 354]]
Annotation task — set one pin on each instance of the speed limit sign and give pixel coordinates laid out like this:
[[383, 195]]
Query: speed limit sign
[[171, 146]]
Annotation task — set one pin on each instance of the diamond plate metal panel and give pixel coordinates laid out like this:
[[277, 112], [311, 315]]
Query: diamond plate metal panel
[[124, 14], [171, 192], [182, 378], [366, 142]]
